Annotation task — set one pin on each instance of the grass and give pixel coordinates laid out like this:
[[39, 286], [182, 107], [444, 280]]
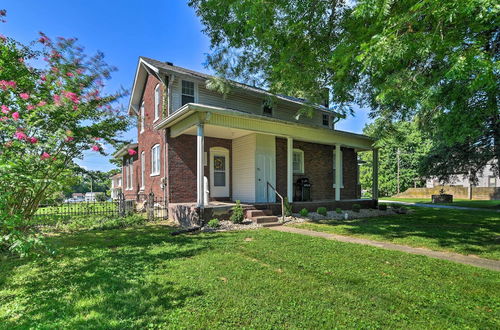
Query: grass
[[488, 204], [460, 231], [145, 278]]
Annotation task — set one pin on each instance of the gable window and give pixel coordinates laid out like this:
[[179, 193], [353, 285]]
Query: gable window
[[326, 120], [267, 108], [142, 119], [335, 170], [187, 92], [155, 160], [143, 169], [298, 161], [157, 102], [492, 181]]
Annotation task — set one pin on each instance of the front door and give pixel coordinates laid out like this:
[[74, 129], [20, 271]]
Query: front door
[[219, 172], [264, 173]]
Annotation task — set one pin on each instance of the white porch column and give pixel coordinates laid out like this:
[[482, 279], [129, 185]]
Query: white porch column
[[338, 171], [289, 169], [375, 174], [200, 141]]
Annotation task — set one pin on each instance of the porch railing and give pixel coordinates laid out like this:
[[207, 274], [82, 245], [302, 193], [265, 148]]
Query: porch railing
[[279, 195]]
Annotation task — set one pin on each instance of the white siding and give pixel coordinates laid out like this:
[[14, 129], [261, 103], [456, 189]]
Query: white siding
[[244, 168], [266, 154]]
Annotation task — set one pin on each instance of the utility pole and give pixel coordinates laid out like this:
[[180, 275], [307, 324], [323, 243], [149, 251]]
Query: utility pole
[[397, 156]]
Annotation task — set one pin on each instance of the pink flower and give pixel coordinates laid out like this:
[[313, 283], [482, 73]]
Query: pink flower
[[132, 152], [70, 74], [4, 84], [42, 103], [43, 39], [54, 69], [45, 155], [75, 107], [4, 118], [43, 78], [5, 109], [79, 71], [95, 148], [24, 96], [15, 115], [57, 99], [32, 140], [72, 96], [97, 138], [69, 138], [20, 135], [30, 107]]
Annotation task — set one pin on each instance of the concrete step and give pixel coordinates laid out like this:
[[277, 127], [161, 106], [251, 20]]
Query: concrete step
[[257, 213], [265, 219], [271, 224]]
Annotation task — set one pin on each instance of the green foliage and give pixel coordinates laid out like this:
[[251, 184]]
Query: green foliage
[[322, 211], [382, 207], [214, 223], [287, 206], [338, 210], [304, 212], [356, 207], [238, 214], [436, 61], [396, 206], [98, 222]]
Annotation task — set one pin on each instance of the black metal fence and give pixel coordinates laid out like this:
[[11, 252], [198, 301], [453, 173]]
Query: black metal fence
[[149, 207]]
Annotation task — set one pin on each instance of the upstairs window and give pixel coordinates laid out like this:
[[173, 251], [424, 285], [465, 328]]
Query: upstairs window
[[155, 160], [298, 161], [326, 120], [142, 119], [267, 108], [157, 102], [187, 92]]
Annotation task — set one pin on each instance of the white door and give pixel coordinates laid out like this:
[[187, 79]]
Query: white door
[[219, 172], [264, 174]]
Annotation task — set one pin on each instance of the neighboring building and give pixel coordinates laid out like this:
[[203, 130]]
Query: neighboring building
[[486, 179], [116, 185], [92, 196], [240, 144], [78, 196]]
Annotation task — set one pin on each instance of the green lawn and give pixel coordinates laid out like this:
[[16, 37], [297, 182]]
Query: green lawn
[[456, 202], [461, 231], [145, 278]]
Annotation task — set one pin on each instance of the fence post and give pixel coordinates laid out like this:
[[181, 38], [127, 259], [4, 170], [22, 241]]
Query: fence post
[[150, 206], [121, 205]]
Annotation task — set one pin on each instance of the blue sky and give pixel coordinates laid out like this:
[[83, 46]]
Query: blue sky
[[167, 30]]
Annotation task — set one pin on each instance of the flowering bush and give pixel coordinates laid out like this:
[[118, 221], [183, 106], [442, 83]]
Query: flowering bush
[[53, 108]]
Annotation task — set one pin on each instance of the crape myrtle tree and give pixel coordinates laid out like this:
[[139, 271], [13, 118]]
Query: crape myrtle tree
[[53, 108], [432, 60]]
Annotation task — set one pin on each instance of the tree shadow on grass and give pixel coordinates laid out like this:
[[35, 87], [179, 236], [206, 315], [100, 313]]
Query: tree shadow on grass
[[467, 232], [107, 279]]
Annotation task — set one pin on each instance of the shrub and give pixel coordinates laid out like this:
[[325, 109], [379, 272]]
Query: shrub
[[382, 207], [403, 210], [321, 210], [287, 206], [395, 206], [356, 207], [214, 223], [304, 212], [238, 213], [338, 210]]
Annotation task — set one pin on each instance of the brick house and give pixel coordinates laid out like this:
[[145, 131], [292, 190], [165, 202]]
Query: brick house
[[195, 144]]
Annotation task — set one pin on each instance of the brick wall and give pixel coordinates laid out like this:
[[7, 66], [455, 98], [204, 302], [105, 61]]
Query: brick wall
[[318, 167], [182, 166]]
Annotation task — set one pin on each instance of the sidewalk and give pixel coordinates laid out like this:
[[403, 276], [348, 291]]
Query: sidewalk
[[437, 206], [455, 257]]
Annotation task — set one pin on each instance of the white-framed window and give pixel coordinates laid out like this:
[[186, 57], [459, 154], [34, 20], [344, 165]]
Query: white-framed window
[[157, 102], [187, 92], [335, 170], [155, 160], [129, 172], [298, 161], [142, 120], [143, 169], [492, 181]]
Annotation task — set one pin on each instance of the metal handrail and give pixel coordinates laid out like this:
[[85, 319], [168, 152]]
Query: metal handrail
[[281, 197]]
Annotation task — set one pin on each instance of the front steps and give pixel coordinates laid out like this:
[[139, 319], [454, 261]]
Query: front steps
[[263, 217]]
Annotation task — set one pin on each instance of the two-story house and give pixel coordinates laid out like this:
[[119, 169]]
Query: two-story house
[[195, 145]]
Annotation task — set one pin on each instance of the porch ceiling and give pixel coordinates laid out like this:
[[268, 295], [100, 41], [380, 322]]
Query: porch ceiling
[[219, 132]]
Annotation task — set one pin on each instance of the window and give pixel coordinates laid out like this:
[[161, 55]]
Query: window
[[219, 171], [157, 102], [335, 170], [129, 169], [267, 108], [187, 92], [143, 169], [492, 181], [326, 120], [298, 161], [142, 119], [155, 160]]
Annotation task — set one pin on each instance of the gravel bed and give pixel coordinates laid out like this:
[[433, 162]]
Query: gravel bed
[[226, 225]]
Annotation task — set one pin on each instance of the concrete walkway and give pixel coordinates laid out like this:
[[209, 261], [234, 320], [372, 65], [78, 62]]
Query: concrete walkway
[[437, 206], [463, 259]]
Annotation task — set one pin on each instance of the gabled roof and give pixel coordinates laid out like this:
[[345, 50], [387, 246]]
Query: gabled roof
[[166, 67]]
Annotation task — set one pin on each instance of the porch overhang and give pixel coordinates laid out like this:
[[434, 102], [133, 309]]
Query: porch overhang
[[124, 150], [186, 118]]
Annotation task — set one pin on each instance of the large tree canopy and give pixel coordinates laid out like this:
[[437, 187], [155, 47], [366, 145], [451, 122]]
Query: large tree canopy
[[436, 61]]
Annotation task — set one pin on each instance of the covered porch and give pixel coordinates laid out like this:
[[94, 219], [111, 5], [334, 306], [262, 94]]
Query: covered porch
[[251, 171]]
